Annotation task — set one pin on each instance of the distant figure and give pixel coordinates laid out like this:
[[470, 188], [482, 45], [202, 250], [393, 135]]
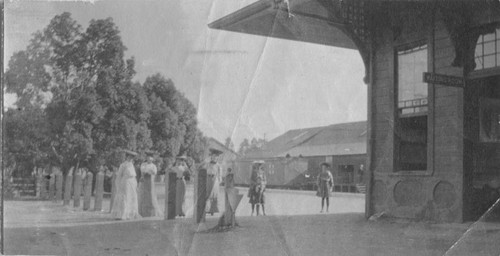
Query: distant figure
[[214, 173], [125, 204], [325, 185], [257, 187], [148, 202], [180, 168]]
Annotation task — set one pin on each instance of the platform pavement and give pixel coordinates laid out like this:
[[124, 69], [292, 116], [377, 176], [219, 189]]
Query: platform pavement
[[327, 234]]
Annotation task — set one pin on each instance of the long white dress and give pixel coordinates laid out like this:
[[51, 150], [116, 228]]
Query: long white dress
[[214, 178], [125, 204]]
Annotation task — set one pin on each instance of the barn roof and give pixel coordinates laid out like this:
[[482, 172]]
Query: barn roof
[[336, 139]]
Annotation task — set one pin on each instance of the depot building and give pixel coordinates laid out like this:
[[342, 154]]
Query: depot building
[[433, 80]]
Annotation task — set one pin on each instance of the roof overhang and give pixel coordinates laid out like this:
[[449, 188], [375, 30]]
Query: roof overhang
[[299, 20]]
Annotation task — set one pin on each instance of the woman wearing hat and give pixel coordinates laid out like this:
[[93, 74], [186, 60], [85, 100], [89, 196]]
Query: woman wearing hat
[[325, 185], [125, 205], [148, 202], [180, 169], [257, 187], [214, 173]]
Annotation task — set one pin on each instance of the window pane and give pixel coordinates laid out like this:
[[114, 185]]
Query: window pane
[[489, 37], [489, 48], [411, 65], [479, 50], [479, 63], [489, 61]]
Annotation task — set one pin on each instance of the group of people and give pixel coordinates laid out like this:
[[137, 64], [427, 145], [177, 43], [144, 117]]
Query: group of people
[[128, 196], [258, 183], [132, 200]]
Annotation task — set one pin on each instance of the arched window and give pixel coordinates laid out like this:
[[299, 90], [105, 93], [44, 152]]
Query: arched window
[[487, 54]]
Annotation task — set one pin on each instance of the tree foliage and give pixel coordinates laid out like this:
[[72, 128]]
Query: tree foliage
[[255, 144], [78, 81]]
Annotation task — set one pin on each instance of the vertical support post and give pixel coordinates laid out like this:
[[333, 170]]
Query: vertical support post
[[59, 186], [39, 185], [67, 187], [99, 191], [113, 190], [52, 187], [87, 193], [170, 186], [78, 188], [201, 195]]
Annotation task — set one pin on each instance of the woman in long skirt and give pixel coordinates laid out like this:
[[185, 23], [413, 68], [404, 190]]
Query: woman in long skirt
[[325, 184], [148, 202], [180, 169], [213, 182], [125, 204]]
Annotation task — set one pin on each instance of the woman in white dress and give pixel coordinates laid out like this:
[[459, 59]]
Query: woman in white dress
[[125, 204], [148, 202], [214, 178]]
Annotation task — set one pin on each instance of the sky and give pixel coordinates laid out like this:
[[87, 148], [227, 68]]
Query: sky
[[243, 86]]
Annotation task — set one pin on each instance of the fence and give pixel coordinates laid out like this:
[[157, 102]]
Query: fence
[[25, 186]]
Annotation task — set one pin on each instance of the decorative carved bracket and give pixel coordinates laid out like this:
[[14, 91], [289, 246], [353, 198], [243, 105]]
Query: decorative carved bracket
[[457, 19]]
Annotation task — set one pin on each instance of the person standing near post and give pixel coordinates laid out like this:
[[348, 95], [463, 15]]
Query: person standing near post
[[258, 181], [125, 204], [180, 168], [148, 202], [325, 185], [214, 173]]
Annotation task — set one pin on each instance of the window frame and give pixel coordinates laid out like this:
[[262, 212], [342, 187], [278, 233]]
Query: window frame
[[491, 71], [429, 113]]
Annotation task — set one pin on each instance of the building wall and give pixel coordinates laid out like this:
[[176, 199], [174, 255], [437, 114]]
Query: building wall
[[435, 194], [287, 172]]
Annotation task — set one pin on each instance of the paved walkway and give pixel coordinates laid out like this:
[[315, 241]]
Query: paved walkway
[[327, 234], [293, 227], [278, 202]]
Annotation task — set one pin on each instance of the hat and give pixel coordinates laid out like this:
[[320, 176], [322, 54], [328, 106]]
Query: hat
[[214, 151], [130, 152], [325, 164]]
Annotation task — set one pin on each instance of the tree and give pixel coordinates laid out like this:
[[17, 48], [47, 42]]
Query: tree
[[26, 141], [80, 83], [244, 146], [228, 143]]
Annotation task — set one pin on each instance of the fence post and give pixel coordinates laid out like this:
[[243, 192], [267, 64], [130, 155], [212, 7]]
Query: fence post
[[77, 192], [201, 183], [170, 186], [67, 187], [87, 193], [39, 182], [59, 186], [99, 190], [52, 186], [113, 189]]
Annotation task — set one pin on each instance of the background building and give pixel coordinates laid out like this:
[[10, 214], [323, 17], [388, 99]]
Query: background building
[[293, 159]]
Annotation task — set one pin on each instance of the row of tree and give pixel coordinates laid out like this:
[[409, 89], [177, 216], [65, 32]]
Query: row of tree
[[247, 146], [78, 106]]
